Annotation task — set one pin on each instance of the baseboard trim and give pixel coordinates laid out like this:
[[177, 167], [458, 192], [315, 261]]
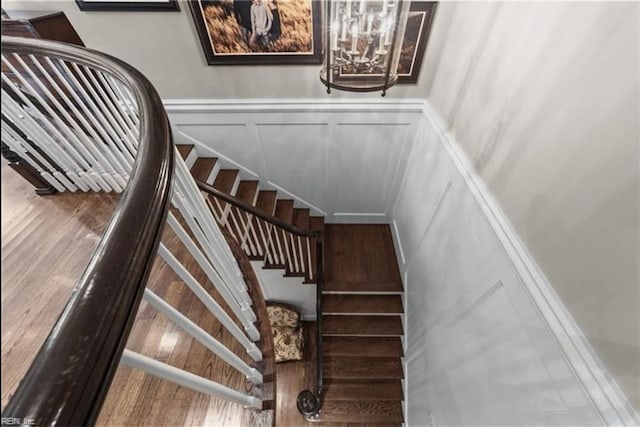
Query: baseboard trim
[[607, 397]]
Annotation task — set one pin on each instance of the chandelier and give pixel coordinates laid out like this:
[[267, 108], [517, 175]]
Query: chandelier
[[363, 44]]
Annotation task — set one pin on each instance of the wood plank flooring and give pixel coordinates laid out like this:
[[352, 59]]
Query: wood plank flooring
[[353, 266], [46, 243]]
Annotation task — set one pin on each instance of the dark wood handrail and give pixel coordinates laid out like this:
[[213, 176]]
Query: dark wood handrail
[[71, 374], [256, 212], [308, 402]]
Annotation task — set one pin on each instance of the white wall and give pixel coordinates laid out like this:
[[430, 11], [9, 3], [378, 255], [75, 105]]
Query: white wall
[[343, 161], [478, 351], [547, 111], [289, 290], [165, 47]]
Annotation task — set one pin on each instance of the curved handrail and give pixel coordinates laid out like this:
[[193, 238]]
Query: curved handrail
[[70, 376], [308, 402]]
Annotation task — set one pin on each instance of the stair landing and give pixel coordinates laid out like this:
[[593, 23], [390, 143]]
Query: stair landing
[[362, 327], [360, 258]]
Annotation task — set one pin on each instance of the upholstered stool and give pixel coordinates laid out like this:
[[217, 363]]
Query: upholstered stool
[[286, 330]]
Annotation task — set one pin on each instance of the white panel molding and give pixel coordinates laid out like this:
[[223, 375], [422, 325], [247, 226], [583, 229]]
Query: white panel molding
[[397, 176], [258, 151], [344, 191], [606, 396]]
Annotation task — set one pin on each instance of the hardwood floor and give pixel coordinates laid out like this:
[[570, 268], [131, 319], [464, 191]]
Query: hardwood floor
[[293, 377], [353, 266], [46, 243]]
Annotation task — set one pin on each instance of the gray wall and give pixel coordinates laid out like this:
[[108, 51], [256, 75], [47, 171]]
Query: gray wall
[[165, 47], [544, 99]]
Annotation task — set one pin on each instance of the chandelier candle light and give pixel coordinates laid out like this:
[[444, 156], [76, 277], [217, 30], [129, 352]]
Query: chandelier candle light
[[364, 39]]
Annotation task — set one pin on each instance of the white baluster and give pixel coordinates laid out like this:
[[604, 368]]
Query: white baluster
[[310, 261], [72, 159], [292, 240], [16, 143], [210, 303], [246, 314], [186, 379], [210, 228], [95, 85], [300, 254], [204, 338], [210, 250], [99, 119], [86, 148], [103, 166]]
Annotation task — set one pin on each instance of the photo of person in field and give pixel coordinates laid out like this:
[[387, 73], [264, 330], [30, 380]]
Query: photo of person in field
[[259, 26]]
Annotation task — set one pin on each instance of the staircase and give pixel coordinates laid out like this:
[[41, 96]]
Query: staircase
[[362, 328], [362, 296]]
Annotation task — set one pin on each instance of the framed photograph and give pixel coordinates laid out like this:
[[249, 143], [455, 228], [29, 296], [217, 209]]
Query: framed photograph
[[128, 5], [259, 32], [416, 37]]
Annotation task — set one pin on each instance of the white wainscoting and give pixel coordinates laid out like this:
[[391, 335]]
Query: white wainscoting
[[488, 340], [327, 156]]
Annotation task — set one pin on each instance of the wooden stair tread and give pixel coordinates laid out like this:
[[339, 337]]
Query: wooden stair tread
[[202, 168], [246, 191], [361, 411], [339, 303], [373, 390], [362, 346], [225, 179], [361, 368], [184, 150], [284, 210], [266, 201], [361, 325], [301, 218]]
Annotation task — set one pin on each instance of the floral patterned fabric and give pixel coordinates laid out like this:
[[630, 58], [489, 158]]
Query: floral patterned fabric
[[287, 343], [282, 316], [287, 333]]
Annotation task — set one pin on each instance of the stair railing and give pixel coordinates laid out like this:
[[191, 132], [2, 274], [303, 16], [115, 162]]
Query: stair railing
[[85, 121], [71, 374], [279, 244]]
